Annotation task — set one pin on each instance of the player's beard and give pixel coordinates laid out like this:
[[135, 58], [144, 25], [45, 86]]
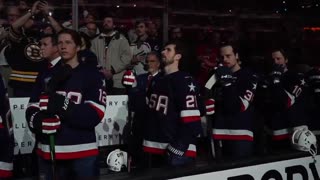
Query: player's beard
[[168, 61]]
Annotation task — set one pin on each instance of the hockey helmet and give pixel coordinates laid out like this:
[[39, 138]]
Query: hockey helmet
[[304, 140], [116, 160]]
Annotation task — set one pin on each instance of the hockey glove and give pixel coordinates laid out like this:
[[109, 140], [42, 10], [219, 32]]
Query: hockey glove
[[60, 105], [45, 123], [129, 79], [210, 103], [224, 75], [276, 73]]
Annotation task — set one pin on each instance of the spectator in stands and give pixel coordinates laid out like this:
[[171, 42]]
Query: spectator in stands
[[47, 11], [50, 53], [85, 54], [286, 90], [72, 125], [25, 64], [90, 27], [92, 30], [89, 18], [176, 33], [132, 36], [47, 29], [13, 14], [173, 118], [230, 106], [207, 53], [114, 55], [137, 91], [23, 6], [23, 54], [49, 49], [155, 35], [140, 48]]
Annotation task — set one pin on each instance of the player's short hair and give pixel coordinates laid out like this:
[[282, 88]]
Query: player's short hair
[[74, 35], [281, 50], [179, 46], [233, 45]]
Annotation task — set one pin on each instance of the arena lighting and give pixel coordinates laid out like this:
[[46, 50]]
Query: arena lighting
[[314, 29]]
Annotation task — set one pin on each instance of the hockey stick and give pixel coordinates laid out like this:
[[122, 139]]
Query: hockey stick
[[53, 155], [54, 83], [210, 83]]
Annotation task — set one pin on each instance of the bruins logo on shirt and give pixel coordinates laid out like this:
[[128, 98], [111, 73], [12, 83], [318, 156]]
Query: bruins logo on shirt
[[32, 52]]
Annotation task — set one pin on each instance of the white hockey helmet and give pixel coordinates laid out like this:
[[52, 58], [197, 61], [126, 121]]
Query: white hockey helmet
[[116, 160], [304, 140]]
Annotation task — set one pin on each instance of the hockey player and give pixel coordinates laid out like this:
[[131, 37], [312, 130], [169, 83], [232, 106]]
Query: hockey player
[[230, 106], [75, 104], [286, 101], [173, 113], [6, 137]]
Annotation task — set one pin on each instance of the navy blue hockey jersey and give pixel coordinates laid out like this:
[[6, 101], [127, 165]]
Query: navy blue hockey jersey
[[233, 118], [173, 118], [286, 105], [6, 136], [76, 137], [138, 94]]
